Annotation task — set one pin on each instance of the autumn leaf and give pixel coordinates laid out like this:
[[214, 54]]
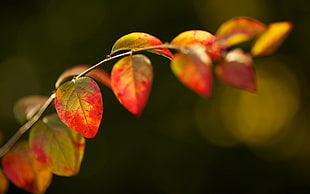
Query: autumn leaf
[[238, 30], [194, 69], [237, 70], [27, 107], [138, 40], [21, 167], [194, 37], [4, 183], [97, 74], [56, 146], [198, 37], [131, 81], [271, 39], [79, 105]]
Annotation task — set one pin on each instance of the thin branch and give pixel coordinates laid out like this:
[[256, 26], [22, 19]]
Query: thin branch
[[110, 57], [11, 142]]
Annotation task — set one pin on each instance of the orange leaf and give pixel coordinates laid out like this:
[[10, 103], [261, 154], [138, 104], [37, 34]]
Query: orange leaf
[[194, 37], [4, 183], [194, 70], [56, 146], [97, 74], [131, 81], [21, 167], [238, 30], [27, 107], [138, 40], [271, 39], [198, 37], [237, 71], [79, 105]]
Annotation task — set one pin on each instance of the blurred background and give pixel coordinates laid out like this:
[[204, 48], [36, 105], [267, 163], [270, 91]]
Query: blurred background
[[234, 142]]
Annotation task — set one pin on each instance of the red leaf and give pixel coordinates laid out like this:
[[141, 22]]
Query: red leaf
[[4, 183], [79, 105], [97, 74], [238, 30], [131, 81], [27, 107], [138, 40], [271, 39], [194, 70], [237, 71], [198, 37], [25, 171], [56, 146]]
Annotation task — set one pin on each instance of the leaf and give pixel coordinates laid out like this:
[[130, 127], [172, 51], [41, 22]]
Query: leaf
[[237, 71], [194, 70], [138, 40], [198, 37], [4, 183], [271, 39], [131, 81], [79, 105], [21, 167], [56, 146], [193, 37], [27, 107], [97, 74], [238, 30]]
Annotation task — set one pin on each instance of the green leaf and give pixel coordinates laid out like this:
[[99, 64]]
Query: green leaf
[[96, 74], [238, 30], [21, 167], [198, 37], [138, 40], [271, 39], [194, 69], [56, 146], [79, 105], [4, 183], [26, 107], [237, 71], [131, 81]]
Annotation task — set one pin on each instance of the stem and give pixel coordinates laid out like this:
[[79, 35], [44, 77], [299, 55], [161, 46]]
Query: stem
[[110, 57], [11, 142]]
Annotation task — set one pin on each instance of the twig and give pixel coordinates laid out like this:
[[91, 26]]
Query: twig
[[11, 142], [110, 57]]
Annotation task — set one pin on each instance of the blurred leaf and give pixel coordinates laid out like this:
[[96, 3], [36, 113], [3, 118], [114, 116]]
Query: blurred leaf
[[79, 105], [271, 39], [238, 30], [198, 37], [4, 183], [97, 74], [27, 107], [137, 40], [237, 71], [194, 70], [56, 146], [1, 137], [21, 167], [131, 80]]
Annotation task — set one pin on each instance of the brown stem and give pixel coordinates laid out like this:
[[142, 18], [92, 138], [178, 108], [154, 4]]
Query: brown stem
[[110, 57], [11, 142]]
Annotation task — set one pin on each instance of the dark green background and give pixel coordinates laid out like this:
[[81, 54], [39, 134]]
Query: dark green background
[[163, 151]]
